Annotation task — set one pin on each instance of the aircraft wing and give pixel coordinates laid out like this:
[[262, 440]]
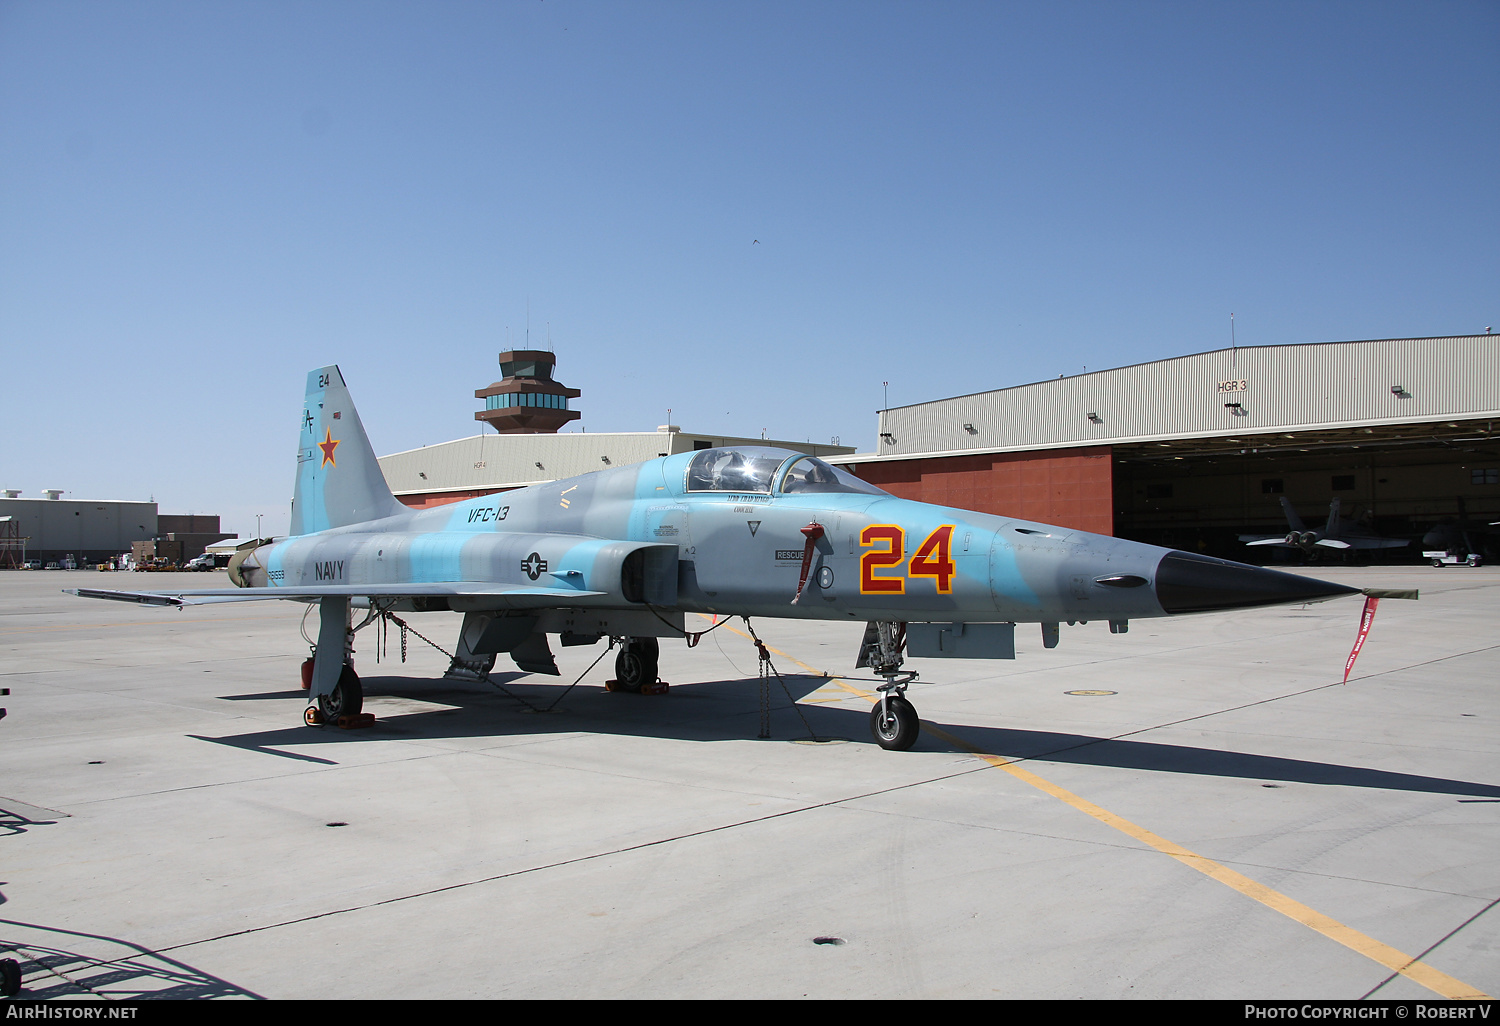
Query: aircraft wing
[[517, 596]]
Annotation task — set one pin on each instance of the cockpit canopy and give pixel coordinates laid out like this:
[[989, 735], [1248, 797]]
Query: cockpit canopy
[[750, 469]]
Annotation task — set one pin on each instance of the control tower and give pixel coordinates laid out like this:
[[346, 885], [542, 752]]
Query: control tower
[[526, 401]]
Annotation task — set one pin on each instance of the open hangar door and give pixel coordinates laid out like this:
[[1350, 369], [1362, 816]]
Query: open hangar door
[[1394, 481]]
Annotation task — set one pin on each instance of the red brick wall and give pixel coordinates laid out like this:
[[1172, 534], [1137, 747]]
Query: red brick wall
[[1067, 487], [430, 499]]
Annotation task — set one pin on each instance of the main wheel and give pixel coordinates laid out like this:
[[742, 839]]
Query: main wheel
[[897, 730], [635, 666], [346, 699]]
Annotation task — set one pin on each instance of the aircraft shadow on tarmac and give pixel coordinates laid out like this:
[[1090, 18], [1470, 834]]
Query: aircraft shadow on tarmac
[[49, 972], [729, 710], [17, 823]]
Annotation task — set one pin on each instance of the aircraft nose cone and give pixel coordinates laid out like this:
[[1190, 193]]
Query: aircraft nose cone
[[1189, 583]]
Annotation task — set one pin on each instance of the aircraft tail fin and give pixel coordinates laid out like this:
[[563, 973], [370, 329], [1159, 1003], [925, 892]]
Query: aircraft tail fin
[[338, 478], [1292, 519], [1332, 528]]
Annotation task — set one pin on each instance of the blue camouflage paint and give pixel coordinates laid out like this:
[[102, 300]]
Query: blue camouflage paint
[[721, 542]]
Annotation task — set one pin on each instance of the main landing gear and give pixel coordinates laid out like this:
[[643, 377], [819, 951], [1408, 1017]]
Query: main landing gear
[[346, 699], [636, 665], [894, 722]]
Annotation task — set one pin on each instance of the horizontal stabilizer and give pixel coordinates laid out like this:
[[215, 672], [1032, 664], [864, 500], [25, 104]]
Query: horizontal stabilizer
[[1278, 540], [517, 595], [1333, 543]]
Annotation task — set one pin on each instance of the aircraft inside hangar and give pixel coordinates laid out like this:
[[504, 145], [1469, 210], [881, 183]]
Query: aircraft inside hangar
[[1395, 437]]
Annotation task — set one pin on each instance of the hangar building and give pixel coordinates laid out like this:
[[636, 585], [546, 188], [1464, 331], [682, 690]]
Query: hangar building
[[1192, 451], [527, 407], [93, 530], [55, 528]]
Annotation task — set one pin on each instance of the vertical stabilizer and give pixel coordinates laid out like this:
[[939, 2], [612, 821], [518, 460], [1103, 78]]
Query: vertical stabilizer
[[1332, 528], [1292, 519], [338, 479]]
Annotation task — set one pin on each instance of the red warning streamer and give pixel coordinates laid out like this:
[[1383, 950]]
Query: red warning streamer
[[812, 532], [1366, 618]]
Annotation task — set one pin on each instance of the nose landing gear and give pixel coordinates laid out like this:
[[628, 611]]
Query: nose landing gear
[[894, 722]]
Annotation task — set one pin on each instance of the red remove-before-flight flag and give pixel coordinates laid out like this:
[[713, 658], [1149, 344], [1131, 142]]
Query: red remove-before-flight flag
[[1366, 618]]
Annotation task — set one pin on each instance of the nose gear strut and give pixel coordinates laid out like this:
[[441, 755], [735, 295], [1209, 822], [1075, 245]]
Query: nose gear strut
[[894, 722]]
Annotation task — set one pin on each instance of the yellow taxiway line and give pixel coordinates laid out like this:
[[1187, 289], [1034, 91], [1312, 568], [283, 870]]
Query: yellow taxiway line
[[1420, 972]]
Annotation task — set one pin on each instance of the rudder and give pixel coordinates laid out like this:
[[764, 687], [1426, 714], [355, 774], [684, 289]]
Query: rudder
[[338, 478]]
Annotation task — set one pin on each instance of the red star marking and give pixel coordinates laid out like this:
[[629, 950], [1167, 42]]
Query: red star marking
[[328, 444]]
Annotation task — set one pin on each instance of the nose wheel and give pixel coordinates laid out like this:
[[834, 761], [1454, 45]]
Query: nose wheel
[[894, 723]]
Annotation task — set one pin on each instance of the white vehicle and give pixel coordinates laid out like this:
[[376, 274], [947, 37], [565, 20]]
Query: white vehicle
[[1441, 557]]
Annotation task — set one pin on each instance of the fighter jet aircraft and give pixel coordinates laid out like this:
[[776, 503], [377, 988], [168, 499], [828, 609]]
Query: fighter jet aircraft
[[626, 552], [1336, 534]]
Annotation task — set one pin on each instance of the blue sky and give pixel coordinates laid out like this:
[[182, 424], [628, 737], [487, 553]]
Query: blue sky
[[199, 202]]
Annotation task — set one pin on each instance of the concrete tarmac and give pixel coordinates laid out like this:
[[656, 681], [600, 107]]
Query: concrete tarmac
[[1214, 816]]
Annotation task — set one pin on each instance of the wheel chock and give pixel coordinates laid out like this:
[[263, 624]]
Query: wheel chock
[[356, 720], [312, 716], [658, 687]]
